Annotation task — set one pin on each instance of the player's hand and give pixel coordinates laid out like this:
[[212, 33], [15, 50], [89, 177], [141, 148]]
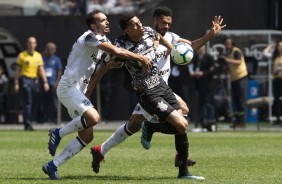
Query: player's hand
[[217, 25], [17, 88], [46, 86], [146, 62]]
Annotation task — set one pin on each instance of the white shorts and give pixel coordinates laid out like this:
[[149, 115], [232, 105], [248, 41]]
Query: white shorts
[[139, 110], [73, 99]]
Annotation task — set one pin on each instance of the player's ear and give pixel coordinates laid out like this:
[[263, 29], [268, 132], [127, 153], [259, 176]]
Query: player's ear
[[155, 21], [93, 26]]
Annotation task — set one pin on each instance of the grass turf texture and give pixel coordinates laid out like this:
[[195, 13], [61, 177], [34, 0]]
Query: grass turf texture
[[227, 157]]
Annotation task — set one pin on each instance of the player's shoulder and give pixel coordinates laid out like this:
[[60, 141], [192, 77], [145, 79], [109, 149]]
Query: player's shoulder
[[149, 30], [121, 40], [171, 34], [37, 54], [90, 36], [122, 37]]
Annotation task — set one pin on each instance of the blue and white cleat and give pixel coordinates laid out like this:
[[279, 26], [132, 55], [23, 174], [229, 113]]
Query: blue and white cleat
[[51, 170], [54, 140], [146, 136]]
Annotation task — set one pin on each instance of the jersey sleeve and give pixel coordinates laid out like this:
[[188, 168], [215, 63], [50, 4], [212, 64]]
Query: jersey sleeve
[[237, 55], [40, 58], [151, 31], [59, 63], [174, 37], [20, 59]]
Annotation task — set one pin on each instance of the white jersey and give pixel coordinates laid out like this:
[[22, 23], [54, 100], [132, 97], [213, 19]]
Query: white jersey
[[163, 61], [81, 64], [82, 60]]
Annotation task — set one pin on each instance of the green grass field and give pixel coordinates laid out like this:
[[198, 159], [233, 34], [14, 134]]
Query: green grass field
[[222, 157]]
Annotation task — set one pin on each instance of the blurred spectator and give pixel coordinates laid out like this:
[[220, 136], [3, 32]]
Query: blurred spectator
[[4, 87], [29, 66], [62, 7], [81, 7], [49, 100], [276, 57], [205, 84], [239, 82], [102, 5], [123, 6], [114, 6]]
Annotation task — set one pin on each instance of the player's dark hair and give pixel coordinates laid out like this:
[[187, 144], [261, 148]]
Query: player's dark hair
[[90, 18], [162, 10], [123, 21]]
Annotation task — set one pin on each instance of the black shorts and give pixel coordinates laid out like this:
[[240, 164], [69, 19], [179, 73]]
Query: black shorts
[[159, 101]]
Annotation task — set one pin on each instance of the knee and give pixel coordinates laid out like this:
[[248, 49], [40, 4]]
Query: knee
[[183, 126], [91, 117]]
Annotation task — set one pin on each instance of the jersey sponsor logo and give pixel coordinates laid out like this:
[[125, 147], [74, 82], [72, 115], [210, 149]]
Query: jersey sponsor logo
[[94, 58], [86, 102], [161, 55], [162, 106], [152, 81], [163, 72]]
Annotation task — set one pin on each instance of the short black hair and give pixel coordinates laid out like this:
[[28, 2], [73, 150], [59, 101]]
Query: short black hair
[[162, 10], [124, 19], [90, 18]]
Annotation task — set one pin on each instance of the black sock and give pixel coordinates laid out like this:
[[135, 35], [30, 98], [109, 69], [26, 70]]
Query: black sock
[[181, 144], [165, 128]]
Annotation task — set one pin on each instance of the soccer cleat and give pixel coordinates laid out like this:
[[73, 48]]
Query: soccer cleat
[[97, 157], [54, 140], [189, 176], [51, 170], [190, 162], [146, 136]]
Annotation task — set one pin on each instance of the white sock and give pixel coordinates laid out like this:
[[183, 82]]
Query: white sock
[[74, 147], [74, 126], [116, 138]]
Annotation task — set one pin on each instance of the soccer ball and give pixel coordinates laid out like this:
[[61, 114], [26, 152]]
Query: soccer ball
[[182, 53]]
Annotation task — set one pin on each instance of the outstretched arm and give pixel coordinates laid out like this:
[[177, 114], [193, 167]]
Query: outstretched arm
[[125, 54], [214, 30]]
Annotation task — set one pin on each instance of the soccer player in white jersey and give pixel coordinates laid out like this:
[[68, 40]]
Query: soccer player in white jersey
[[83, 58], [162, 21]]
